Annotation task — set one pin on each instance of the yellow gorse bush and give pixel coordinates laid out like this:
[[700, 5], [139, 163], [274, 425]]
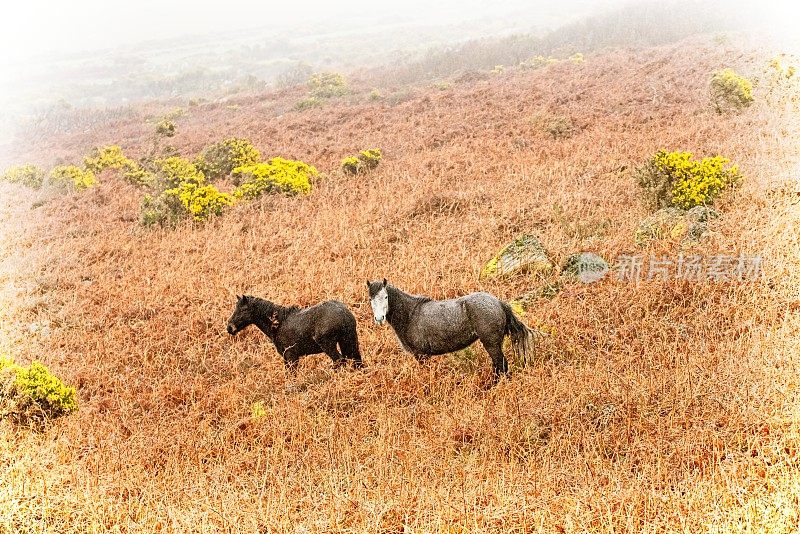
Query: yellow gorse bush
[[165, 128], [537, 62], [729, 91], [677, 179], [73, 177], [577, 58], [32, 394], [28, 175], [106, 157], [138, 175], [781, 70], [175, 170], [184, 194], [363, 161], [327, 85], [219, 159], [278, 175], [200, 201]]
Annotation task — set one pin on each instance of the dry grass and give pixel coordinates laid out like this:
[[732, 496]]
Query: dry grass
[[658, 406]]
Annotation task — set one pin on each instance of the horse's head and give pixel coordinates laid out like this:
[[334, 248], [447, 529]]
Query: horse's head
[[242, 315], [378, 299]]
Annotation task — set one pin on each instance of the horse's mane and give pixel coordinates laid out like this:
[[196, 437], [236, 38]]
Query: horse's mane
[[271, 310], [416, 300]]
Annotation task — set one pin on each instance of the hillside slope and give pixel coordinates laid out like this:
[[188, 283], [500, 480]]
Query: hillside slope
[[658, 405]]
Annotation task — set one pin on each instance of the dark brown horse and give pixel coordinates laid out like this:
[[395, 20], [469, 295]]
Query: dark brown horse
[[427, 327], [298, 331]]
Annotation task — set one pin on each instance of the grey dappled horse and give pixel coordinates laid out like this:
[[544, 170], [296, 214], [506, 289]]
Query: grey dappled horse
[[428, 327]]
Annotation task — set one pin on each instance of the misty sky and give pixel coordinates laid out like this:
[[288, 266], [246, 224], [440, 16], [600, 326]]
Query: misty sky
[[35, 27], [39, 28]]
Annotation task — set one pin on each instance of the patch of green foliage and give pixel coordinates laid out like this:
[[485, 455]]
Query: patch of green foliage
[[730, 92], [677, 179], [184, 193], [782, 70], [136, 174], [219, 159], [537, 62], [199, 201], [559, 127], [308, 102], [32, 395], [173, 171], [327, 85], [362, 162], [165, 128], [106, 157], [112, 157], [27, 175], [577, 58], [73, 177], [278, 175]]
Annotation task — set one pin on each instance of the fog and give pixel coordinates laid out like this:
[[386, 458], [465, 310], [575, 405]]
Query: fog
[[43, 29], [107, 53]]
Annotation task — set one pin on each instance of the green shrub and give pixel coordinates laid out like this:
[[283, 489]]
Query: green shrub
[[107, 157], [199, 201], [729, 91], [538, 62], [278, 175], [362, 162], [73, 177], [781, 70], [32, 395], [676, 179], [134, 173], [577, 58], [218, 160], [173, 171], [309, 102], [375, 95], [184, 193], [165, 128], [351, 164], [162, 210], [27, 175], [174, 114], [327, 85], [498, 69], [559, 127]]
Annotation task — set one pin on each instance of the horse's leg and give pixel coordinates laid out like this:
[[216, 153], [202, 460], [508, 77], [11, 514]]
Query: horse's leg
[[495, 350], [489, 325], [348, 344], [328, 346], [290, 358]]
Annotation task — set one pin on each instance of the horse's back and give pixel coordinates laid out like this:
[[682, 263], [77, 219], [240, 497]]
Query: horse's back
[[331, 311]]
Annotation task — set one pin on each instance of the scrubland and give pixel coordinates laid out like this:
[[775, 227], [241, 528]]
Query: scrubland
[[662, 405]]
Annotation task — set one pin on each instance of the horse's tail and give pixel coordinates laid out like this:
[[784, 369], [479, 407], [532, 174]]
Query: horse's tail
[[522, 337]]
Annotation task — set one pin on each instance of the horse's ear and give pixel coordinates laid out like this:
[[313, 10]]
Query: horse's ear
[[367, 284], [238, 297], [384, 282]]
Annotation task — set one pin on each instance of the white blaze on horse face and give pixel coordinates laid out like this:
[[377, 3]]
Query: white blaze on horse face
[[380, 305]]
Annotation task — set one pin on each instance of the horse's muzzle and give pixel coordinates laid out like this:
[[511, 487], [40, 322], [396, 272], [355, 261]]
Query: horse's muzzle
[[380, 321], [231, 329]]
